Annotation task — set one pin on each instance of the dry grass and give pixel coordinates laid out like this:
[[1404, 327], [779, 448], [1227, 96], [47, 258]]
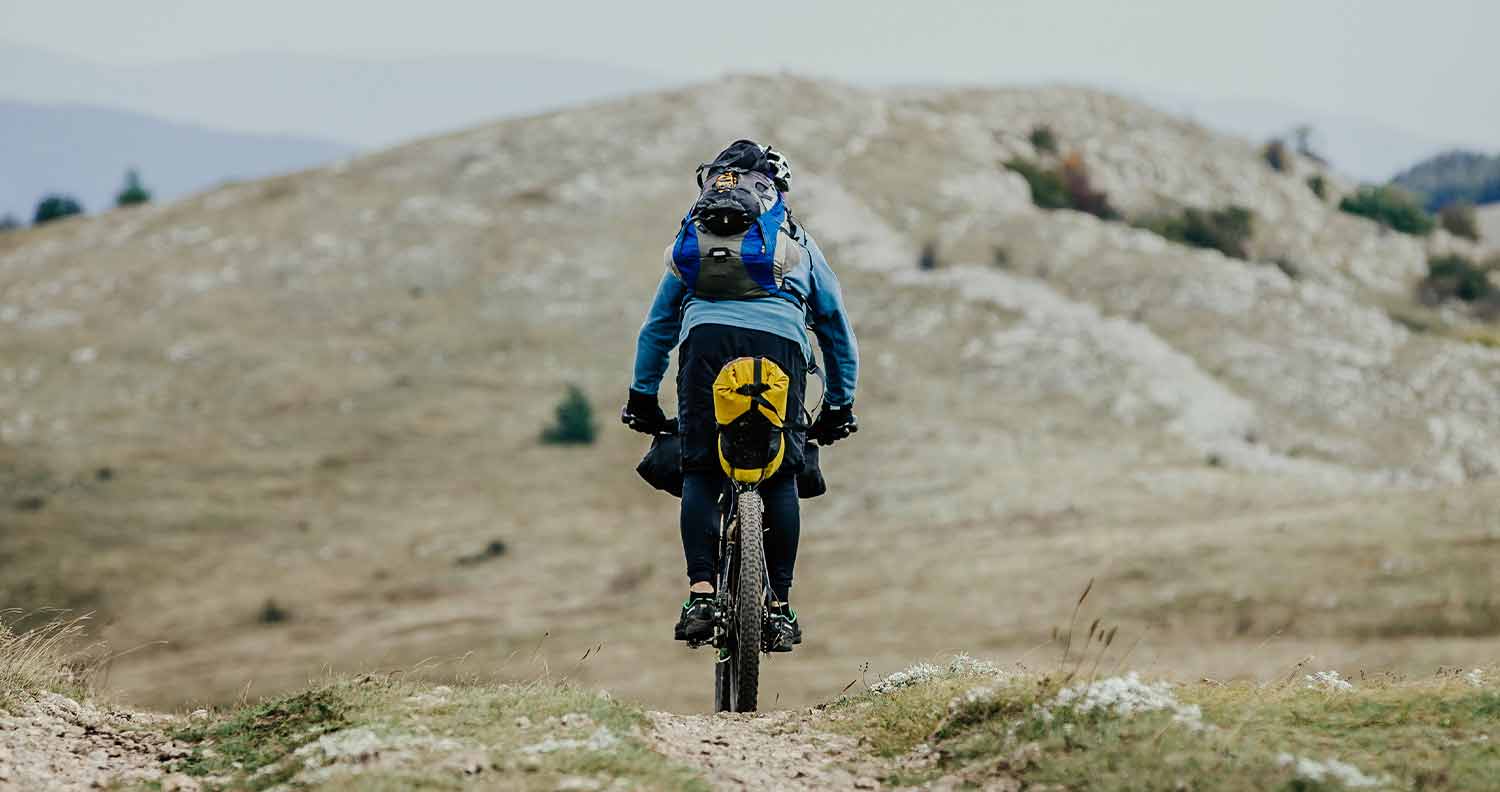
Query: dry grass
[[1434, 732], [39, 658]]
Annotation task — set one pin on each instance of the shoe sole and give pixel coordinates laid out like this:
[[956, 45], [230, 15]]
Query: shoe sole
[[695, 632]]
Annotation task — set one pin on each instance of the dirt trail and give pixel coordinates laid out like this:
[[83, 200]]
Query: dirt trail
[[56, 743], [764, 751]]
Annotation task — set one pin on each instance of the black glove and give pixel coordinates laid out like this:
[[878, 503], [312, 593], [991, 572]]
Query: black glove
[[833, 424], [643, 414]]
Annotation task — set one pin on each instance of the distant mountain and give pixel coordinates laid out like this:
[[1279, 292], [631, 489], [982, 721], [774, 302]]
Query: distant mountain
[[1363, 149], [1454, 176], [85, 151], [361, 101]]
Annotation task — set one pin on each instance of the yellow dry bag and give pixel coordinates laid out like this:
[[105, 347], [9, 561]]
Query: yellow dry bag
[[750, 400]]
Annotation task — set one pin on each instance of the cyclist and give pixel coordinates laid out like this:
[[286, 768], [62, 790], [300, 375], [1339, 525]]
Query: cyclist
[[710, 333]]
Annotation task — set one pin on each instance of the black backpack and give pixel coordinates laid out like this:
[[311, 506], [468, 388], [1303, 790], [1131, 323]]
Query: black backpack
[[735, 189]]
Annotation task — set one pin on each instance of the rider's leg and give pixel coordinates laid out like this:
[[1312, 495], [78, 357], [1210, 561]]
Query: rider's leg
[[700, 526], [783, 528]]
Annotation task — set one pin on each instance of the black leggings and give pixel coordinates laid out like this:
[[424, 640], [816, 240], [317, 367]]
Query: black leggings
[[700, 526]]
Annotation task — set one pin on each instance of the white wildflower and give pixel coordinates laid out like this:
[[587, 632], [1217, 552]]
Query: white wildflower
[[961, 665], [965, 665], [917, 674], [1124, 697], [1327, 680], [1329, 770], [1475, 677]]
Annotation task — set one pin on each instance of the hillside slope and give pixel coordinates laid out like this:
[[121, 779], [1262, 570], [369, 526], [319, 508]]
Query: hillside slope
[[292, 425]]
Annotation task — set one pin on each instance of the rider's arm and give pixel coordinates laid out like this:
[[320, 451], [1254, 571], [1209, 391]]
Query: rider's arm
[[653, 347], [830, 324]]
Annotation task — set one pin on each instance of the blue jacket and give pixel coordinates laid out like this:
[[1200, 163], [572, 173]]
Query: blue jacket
[[675, 311]]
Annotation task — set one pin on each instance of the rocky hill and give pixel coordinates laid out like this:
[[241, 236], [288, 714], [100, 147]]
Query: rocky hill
[[293, 424]]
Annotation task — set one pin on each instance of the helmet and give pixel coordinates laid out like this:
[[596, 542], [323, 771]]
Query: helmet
[[781, 167]]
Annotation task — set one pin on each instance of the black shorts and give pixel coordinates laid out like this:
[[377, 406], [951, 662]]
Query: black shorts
[[705, 350]]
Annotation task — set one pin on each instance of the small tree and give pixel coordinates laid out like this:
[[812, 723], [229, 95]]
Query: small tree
[[1043, 139], [1458, 219], [1047, 188], [575, 423], [1276, 155], [1226, 230], [1303, 135], [56, 207], [133, 192], [1390, 206], [928, 259], [1455, 277], [1080, 189], [1318, 185]]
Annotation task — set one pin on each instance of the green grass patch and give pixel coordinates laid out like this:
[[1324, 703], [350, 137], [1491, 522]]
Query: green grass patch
[[256, 738], [381, 733], [1434, 734]]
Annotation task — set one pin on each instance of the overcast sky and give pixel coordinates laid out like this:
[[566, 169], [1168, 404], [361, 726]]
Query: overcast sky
[[1425, 67]]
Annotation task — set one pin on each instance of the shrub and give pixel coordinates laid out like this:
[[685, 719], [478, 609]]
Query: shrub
[[1458, 219], [1276, 155], [1455, 277], [56, 207], [928, 260], [1043, 140], [1391, 207], [575, 421], [1047, 189], [1081, 193], [1303, 134], [1226, 230], [133, 192], [1318, 185], [271, 613]]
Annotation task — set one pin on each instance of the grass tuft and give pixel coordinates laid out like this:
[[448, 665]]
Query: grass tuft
[[39, 659], [1031, 730]]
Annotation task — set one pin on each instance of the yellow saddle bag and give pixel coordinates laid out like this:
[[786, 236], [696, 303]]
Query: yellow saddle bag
[[750, 407]]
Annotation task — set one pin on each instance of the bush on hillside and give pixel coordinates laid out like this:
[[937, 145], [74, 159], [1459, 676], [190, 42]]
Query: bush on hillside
[[1318, 185], [1047, 189], [928, 259], [575, 423], [1454, 277], [56, 207], [1391, 207], [1276, 155], [1081, 193], [133, 193], [1226, 230], [1068, 187], [1303, 134], [1043, 139], [1458, 219]]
